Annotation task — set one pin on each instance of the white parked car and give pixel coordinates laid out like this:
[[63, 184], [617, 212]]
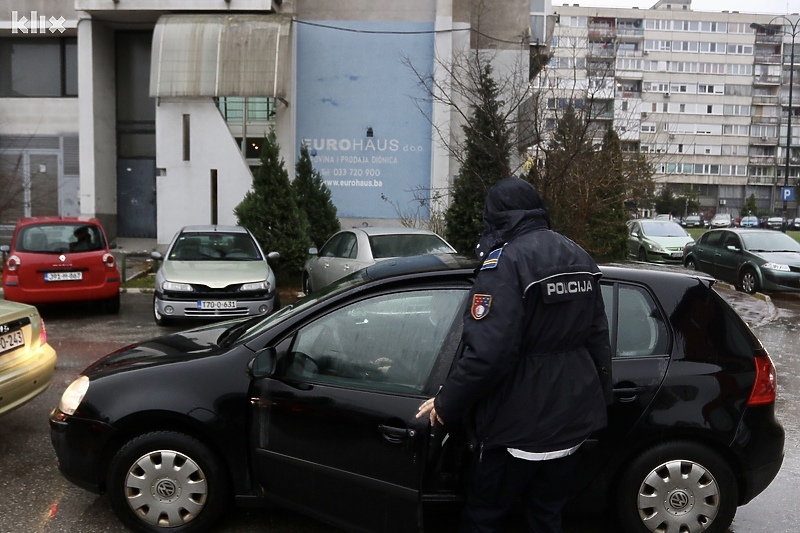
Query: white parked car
[[214, 272], [353, 249]]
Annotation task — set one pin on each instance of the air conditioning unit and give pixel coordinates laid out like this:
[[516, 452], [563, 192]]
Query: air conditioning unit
[[723, 202], [645, 53], [763, 137], [666, 95]]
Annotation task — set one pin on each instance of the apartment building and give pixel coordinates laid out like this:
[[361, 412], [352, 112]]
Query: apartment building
[[149, 114], [705, 94]]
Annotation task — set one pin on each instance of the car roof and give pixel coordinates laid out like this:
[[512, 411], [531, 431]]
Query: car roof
[[57, 220], [437, 265], [213, 228], [401, 230]]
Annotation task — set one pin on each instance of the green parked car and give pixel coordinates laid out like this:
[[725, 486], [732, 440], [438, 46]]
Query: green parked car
[[657, 241]]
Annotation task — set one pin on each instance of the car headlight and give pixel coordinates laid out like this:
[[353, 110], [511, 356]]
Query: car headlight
[[776, 266], [73, 396], [176, 287], [656, 248], [258, 286]]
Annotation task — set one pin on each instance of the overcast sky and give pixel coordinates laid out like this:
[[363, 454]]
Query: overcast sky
[[777, 7]]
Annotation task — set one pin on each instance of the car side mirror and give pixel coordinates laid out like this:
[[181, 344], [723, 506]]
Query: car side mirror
[[313, 251], [157, 256], [112, 246], [263, 364], [273, 256], [5, 248], [635, 234]]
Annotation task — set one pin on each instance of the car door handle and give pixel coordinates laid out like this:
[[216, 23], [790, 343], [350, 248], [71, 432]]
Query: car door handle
[[628, 394], [395, 435]]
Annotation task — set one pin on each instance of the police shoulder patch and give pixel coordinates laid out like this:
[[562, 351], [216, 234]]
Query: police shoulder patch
[[492, 259], [481, 303]]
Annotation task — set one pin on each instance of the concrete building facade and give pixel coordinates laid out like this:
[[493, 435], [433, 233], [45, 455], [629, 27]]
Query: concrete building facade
[[704, 94], [149, 114]]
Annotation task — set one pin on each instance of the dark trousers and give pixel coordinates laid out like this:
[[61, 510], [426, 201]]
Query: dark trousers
[[500, 480]]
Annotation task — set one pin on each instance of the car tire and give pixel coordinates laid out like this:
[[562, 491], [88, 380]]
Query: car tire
[[748, 280], [677, 486], [306, 283], [689, 263], [160, 319], [168, 481], [112, 304], [642, 254]]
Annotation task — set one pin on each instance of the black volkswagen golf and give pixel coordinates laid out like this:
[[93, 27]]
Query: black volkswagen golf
[[313, 408]]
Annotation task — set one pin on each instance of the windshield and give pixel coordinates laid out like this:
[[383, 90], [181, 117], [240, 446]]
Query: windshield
[[663, 229], [769, 241], [214, 246]]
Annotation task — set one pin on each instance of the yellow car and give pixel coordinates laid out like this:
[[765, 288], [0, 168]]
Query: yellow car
[[27, 362]]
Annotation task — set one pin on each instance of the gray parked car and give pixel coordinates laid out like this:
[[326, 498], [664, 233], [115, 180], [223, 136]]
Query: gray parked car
[[353, 249], [214, 272]]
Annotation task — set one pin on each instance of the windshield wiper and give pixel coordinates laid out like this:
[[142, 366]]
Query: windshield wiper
[[234, 332]]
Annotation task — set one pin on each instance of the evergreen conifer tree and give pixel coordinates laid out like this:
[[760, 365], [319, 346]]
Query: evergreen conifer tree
[[314, 199], [271, 212], [487, 154]]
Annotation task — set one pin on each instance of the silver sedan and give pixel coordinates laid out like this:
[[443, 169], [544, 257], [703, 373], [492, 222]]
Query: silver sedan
[[353, 249]]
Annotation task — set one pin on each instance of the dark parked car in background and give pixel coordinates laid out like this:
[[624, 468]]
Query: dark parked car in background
[[793, 224], [774, 222], [693, 221], [751, 259], [314, 407]]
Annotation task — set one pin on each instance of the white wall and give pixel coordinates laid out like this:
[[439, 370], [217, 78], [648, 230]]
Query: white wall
[[97, 122], [184, 187], [38, 116]]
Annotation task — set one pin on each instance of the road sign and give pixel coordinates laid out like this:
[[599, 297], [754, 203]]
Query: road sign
[[787, 194]]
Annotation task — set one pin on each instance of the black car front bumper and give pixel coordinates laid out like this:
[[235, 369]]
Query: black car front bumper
[[79, 446]]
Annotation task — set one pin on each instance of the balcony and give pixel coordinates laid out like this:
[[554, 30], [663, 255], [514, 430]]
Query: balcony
[[766, 79], [762, 160], [597, 33], [769, 59], [764, 38], [765, 99], [760, 180], [764, 140]]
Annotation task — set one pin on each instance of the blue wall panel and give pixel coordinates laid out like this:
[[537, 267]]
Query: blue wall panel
[[352, 78]]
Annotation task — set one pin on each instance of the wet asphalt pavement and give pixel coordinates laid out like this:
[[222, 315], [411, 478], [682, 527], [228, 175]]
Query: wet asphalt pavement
[[34, 497]]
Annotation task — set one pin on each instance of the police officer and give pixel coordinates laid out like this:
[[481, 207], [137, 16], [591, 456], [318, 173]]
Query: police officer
[[534, 380]]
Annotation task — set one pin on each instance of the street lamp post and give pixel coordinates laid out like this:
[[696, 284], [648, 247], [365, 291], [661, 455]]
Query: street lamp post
[[794, 26]]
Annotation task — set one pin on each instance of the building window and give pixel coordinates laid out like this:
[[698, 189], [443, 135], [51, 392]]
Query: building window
[[39, 67]]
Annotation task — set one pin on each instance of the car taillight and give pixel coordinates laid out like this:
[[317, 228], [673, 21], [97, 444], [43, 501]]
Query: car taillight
[[12, 263], [766, 384], [108, 259], [42, 333]]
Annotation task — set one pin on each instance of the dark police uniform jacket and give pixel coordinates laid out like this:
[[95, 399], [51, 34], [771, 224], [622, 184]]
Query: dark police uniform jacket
[[535, 374]]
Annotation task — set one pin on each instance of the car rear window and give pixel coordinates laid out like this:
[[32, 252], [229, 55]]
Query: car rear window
[[59, 238], [384, 246]]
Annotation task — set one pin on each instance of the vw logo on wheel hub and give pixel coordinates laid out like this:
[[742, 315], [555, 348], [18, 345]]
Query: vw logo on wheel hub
[[166, 490], [679, 502]]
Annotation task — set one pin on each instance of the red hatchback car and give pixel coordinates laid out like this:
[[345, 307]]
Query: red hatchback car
[[60, 259]]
